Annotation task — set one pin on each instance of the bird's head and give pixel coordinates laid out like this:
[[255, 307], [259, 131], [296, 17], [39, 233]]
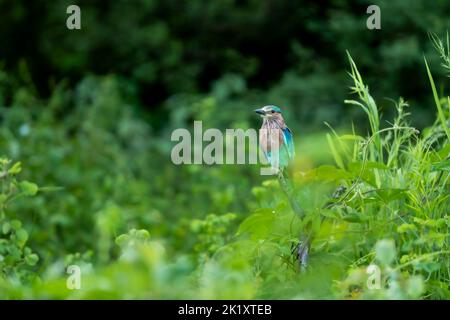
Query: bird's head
[[269, 112]]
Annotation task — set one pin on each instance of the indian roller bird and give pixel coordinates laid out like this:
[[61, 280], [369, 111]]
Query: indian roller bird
[[274, 133]]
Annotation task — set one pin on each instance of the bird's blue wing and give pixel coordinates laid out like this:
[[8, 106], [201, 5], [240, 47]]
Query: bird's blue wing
[[286, 152], [268, 155], [289, 142]]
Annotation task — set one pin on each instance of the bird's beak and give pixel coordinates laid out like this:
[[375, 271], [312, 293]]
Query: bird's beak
[[260, 111]]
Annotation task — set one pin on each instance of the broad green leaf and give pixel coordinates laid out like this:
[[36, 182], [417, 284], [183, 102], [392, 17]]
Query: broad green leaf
[[444, 152], [330, 214], [22, 236], [366, 171], [258, 224], [324, 173], [390, 194], [6, 227], [122, 239], [16, 224], [142, 234], [354, 217], [28, 188], [31, 259]]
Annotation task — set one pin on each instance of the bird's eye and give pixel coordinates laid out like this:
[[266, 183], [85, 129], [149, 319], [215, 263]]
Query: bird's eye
[[272, 111]]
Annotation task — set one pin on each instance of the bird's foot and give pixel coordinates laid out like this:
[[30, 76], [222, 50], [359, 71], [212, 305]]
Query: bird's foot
[[301, 252]]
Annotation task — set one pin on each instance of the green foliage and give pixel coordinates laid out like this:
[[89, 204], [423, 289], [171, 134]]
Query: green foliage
[[132, 237], [166, 49], [392, 285], [140, 227], [211, 232], [400, 194], [16, 259]]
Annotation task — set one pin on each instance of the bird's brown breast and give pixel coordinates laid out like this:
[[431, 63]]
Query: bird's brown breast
[[270, 136]]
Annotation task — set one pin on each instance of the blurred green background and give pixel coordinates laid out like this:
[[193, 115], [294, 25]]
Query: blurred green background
[[91, 110], [290, 53]]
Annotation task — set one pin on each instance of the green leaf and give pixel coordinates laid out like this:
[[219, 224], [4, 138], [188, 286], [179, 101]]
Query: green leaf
[[28, 188], [354, 217], [443, 153], [258, 224], [324, 173], [366, 170], [336, 155], [368, 165], [351, 137], [31, 259], [16, 224], [15, 169], [441, 165], [390, 194], [22, 237], [3, 198], [122, 239], [330, 214], [142, 234], [428, 266], [432, 223], [441, 114], [406, 227], [6, 228]]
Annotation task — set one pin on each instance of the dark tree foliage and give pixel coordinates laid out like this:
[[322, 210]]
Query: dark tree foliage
[[163, 48]]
